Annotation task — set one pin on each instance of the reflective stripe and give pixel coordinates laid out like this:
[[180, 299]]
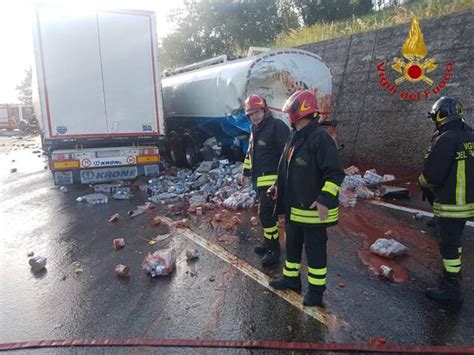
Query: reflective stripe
[[316, 282], [312, 216], [247, 164], [291, 265], [289, 273], [271, 232], [453, 208], [266, 180], [452, 265], [460, 250], [318, 272], [454, 211], [331, 188], [271, 229], [461, 183], [424, 183]]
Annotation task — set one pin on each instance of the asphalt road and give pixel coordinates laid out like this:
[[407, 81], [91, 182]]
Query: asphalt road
[[209, 298]]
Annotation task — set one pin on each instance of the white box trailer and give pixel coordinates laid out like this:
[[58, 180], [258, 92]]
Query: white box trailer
[[98, 97]]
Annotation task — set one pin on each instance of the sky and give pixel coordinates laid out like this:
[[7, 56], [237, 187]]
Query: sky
[[16, 43]]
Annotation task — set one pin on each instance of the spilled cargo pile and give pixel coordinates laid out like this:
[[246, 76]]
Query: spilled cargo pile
[[212, 184], [369, 185]]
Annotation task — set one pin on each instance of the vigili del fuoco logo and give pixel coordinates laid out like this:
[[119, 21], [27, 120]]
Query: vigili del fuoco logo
[[416, 68]]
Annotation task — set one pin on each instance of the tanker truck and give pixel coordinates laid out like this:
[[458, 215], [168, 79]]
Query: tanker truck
[[203, 102]]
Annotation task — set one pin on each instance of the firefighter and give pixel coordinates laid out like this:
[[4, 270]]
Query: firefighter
[[306, 191], [448, 183], [267, 141]]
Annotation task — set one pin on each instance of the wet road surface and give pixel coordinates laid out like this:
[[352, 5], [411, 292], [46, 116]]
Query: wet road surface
[[208, 298]]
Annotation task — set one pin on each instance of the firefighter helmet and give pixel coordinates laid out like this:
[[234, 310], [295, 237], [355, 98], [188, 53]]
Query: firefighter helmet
[[253, 103], [300, 104], [446, 109]]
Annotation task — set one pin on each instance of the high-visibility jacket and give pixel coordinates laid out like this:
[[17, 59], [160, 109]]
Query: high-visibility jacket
[[309, 170], [266, 145], [449, 171]]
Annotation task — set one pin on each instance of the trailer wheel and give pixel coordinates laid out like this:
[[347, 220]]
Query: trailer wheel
[[191, 151], [176, 150]]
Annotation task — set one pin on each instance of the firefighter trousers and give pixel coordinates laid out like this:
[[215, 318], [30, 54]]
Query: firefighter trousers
[[314, 240], [450, 231], [269, 221]]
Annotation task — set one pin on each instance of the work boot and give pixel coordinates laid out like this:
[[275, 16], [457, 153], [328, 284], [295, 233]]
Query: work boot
[[271, 257], [287, 283], [260, 249], [313, 296], [272, 254], [449, 290]]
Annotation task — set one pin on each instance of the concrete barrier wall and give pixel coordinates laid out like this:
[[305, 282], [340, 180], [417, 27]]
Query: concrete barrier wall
[[376, 126]]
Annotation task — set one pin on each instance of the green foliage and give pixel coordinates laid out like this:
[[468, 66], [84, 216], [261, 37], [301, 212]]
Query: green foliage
[[380, 19], [206, 28]]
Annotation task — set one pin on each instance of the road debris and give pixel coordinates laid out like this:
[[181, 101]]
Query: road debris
[[94, 199], [160, 263], [119, 243], [141, 209], [63, 189], [155, 221], [192, 254], [121, 186], [212, 279], [122, 195], [31, 253], [122, 270], [114, 218], [37, 263], [13, 170], [254, 221], [387, 272], [388, 248], [76, 267]]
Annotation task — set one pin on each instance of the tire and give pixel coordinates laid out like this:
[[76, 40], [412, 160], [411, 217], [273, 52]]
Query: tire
[[176, 150], [191, 151]]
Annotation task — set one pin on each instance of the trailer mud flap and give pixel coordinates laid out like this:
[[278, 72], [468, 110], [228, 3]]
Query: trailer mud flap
[[63, 177], [152, 170], [109, 174]]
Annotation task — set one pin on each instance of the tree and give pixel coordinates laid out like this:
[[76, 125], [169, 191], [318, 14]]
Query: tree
[[313, 11], [24, 89], [206, 28]]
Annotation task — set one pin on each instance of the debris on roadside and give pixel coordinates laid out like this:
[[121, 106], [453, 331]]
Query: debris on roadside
[[213, 183], [122, 195], [63, 189], [160, 263], [254, 221], [119, 243], [94, 199], [417, 216], [155, 221], [37, 263], [388, 248], [394, 192], [13, 170], [30, 253], [76, 267], [192, 254], [114, 218], [386, 272], [122, 270], [141, 209], [112, 187]]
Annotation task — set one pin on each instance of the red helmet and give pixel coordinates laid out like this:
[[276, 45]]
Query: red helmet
[[255, 102], [300, 104]]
